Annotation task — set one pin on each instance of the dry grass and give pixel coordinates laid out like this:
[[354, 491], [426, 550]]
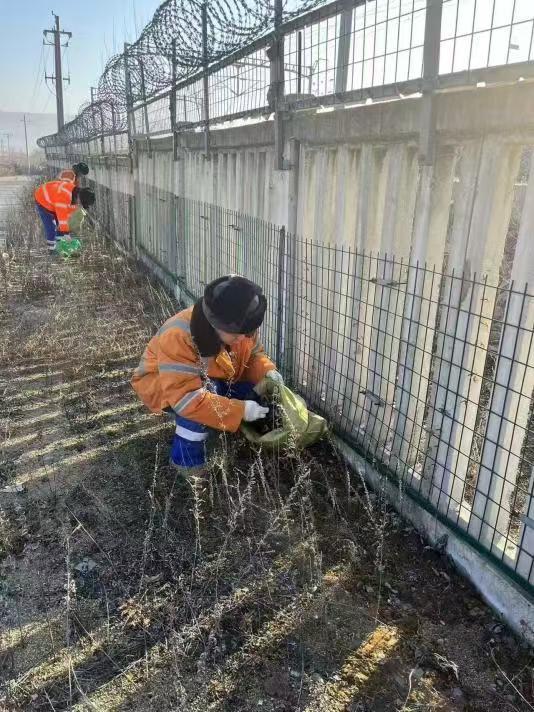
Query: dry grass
[[282, 585]]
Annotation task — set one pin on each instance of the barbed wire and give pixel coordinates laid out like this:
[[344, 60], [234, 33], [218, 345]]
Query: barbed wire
[[173, 34]]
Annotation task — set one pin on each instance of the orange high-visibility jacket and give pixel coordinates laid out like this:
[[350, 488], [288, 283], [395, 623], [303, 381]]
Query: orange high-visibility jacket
[[56, 196], [171, 374]]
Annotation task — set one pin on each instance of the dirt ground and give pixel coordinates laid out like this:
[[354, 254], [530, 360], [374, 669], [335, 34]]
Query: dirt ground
[[283, 585]]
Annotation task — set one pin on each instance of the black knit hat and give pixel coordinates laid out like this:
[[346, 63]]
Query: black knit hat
[[80, 168], [234, 304]]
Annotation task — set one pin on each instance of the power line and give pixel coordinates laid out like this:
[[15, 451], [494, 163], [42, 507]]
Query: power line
[[38, 78], [45, 107], [135, 17], [46, 60], [52, 92], [173, 46], [65, 56]]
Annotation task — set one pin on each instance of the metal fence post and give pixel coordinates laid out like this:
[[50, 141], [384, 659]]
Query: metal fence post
[[88, 140], [180, 192], [132, 222], [281, 295], [343, 49], [181, 229], [102, 137], [290, 247], [205, 79], [114, 129], [289, 304], [276, 88], [145, 107], [172, 104], [431, 54], [172, 242], [130, 115], [299, 63]]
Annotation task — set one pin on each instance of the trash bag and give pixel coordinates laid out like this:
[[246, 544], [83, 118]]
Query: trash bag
[[66, 248], [81, 224], [296, 423]]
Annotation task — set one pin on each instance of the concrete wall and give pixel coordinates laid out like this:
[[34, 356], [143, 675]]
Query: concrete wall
[[354, 180]]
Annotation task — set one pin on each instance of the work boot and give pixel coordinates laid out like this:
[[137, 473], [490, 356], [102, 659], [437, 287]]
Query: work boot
[[194, 476]]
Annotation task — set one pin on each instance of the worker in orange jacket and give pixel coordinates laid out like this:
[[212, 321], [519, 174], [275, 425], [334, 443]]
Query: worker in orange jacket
[[55, 202], [202, 366]]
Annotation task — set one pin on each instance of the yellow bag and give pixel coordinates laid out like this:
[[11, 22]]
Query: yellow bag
[[299, 426]]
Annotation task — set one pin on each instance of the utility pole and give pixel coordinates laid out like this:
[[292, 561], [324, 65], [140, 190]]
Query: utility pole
[[26, 139], [58, 78]]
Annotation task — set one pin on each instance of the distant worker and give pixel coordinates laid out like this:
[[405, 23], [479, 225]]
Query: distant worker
[[202, 366], [73, 174], [55, 202]]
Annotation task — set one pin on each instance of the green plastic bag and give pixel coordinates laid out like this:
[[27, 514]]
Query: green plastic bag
[[77, 221], [66, 248], [299, 425], [81, 225]]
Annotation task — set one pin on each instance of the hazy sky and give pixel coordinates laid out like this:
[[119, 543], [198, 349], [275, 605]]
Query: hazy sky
[[99, 28]]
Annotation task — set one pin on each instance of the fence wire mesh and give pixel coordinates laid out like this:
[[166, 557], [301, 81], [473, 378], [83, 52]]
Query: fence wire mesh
[[486, 33], [405, 360], [369, 45], [240, 88], [350, 50], [242, 245], [391, 352], [114, 213], [189, 104]]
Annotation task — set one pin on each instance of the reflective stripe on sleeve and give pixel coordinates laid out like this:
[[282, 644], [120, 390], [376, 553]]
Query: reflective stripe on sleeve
[[178, 368], [187, 399], [141, 369], [175, 324]]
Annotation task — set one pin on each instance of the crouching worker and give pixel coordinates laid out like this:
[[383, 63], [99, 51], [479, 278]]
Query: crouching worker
[[55, 202], [202, 366]]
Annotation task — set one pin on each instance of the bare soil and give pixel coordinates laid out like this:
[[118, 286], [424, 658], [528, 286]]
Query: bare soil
[[282, 584]]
